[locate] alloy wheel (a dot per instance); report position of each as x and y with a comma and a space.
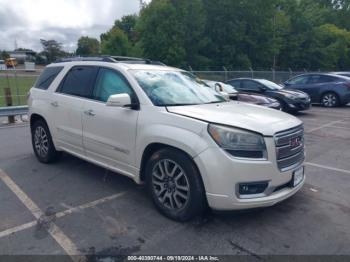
329, 100
170, 184
41, 141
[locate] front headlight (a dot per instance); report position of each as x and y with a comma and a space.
239, 143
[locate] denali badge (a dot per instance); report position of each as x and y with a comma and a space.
295, 142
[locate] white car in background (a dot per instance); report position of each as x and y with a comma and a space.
161, 126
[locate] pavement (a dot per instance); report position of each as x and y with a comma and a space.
76, 208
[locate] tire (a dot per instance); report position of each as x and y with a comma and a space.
43, 146
284, 106
330, 99
179, 196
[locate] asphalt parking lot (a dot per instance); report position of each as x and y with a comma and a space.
73, 207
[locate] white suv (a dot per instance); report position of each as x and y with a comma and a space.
163, 127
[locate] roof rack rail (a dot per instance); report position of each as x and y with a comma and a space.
111, 59
78, 58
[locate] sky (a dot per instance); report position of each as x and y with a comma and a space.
25, 22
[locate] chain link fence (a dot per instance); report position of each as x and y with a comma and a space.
222, 76
15, 84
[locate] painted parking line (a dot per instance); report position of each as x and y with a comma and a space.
56, 233
69, 211
30, 203
328, 168
323, 126
89, 205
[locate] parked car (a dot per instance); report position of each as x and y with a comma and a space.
347, 74
290, 100
163, 127
233, 94
330, 90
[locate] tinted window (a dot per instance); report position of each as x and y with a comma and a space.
317, 79
47, 76
251, 85
235, 83
79, 81
110, 83
298, 80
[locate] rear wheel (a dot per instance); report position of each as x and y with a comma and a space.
43, 146
175, 185
330, 100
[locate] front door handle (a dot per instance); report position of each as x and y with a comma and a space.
89, 113
54, 104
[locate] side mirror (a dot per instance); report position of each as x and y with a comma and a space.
218, 88
119, 100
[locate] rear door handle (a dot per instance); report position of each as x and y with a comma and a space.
89, 113
54, 104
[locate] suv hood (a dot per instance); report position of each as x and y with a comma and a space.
241, 115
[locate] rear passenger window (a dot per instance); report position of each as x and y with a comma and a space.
79, 81
47, 76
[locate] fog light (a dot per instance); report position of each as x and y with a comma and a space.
252, 188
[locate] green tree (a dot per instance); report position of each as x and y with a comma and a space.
52, 50
88, 46
172, 31
4, 55
115, 42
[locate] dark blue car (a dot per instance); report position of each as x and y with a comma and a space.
330, 90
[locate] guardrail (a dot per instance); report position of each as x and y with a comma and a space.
13, 110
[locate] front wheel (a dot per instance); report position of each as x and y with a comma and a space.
175, 185
330, 100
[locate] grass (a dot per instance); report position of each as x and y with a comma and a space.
19, 85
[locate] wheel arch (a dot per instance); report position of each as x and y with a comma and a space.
35, 117
154, 147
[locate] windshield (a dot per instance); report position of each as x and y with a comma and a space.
270, 85
175, 88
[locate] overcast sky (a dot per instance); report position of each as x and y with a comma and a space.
28, 21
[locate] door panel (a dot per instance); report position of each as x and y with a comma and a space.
109, 133
67, 105
66, 112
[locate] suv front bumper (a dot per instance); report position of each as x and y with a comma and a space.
222, 174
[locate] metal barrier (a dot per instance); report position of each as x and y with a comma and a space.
13, 111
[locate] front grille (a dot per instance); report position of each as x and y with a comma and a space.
290, 148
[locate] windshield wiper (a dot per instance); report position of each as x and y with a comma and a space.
178, 104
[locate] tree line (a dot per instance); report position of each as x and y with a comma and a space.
237, 35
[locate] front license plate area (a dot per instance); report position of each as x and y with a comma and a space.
298, 176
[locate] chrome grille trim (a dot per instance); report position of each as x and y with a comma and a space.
287, 156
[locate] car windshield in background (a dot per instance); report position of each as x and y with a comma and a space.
175, 88
270, 85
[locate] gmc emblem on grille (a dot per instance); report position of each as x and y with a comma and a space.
296, 142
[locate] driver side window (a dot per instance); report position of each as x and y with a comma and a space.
109, 83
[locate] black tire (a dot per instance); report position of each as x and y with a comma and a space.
330, 99
45, 141
284, 106
182, 209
